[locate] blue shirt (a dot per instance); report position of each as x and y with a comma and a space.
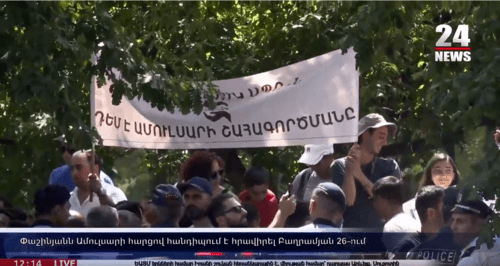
62, 176
362, 214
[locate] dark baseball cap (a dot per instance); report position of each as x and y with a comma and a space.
196, 182
475, 207
333, 192
164, 193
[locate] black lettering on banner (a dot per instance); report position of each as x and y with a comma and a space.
192, 136
301, 121
317, 121
159, 130
268, 126
282, 126
178, 134
170, 133
239, 131
347, 115
266, 88
251, 92
109, 120
218, 95
329, 119
102, 117
240, 97
260, 129
198, 130
276, 86
126, 124
228, 96
288, 123
296, 81
335, 116
119, 119
144, 125
211, 130
246, 127
140, 128
165, 129
224, 128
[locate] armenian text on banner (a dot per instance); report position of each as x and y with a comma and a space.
310, 102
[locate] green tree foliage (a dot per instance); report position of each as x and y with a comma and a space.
45, 71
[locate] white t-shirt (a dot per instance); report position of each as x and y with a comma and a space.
410, 209
400, 223
483, 256
114, 193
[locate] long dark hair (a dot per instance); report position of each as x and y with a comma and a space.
438, 157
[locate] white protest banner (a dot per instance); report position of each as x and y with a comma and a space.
311, 102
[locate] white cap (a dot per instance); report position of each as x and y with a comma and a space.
314, 153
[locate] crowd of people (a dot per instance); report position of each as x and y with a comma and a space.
361, 191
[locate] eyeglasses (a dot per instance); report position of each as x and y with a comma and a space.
215, 174
236, 209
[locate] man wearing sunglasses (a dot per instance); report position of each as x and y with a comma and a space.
225, 211
197, 193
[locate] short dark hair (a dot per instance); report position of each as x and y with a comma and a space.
389, 188
49, 197
216, 207
327, 203
102, 216
252, 212
255, 176
66, 148
88, 155
428, 197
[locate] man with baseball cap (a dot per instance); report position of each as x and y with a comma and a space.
197, 194
318, 158
327, 207
362, 167
467, 223
168, 204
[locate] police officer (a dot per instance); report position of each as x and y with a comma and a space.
467, 224
441, 248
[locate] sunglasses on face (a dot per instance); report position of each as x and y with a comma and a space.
215, 174
236, 209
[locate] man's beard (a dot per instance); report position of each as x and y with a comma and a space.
194, 213
242, 223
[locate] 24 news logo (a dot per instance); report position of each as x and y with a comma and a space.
444, 52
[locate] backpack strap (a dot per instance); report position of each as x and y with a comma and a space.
303, 181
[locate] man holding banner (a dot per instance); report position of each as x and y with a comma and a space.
357, 172
87, 181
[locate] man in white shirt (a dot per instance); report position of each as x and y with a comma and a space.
388, 203
87, 181
467, 223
